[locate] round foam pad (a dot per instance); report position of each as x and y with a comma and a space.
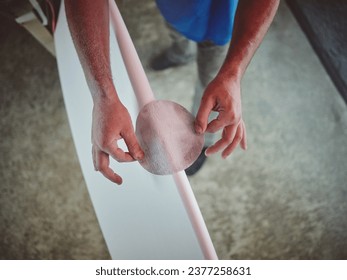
165, 131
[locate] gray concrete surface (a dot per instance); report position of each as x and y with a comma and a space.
285, 198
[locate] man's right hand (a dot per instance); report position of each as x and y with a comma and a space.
112, 122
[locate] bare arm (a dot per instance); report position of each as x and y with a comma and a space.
252, 20
223, 94
89, 26
88, 22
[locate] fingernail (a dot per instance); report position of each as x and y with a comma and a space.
120, 181
198, 129
140, 155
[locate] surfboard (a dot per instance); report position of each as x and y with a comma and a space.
148, 216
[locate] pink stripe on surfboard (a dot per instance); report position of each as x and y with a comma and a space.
144, 95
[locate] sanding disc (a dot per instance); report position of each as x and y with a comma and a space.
165, 131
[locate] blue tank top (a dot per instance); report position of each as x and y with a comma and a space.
201, 20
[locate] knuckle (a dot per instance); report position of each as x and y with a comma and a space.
103, 144
127, 133
228, 138
102, 169
233, 116
238, 138
133, 147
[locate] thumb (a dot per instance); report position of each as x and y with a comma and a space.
133, 146
204, 111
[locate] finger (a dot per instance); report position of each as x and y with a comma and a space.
204, 111
234, 143
220, 122
227, 137
220, 144
215, 125
102, 162
233, 131
133, 146
118, 154
243, 143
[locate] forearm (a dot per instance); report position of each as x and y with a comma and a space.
252, 20
88, 22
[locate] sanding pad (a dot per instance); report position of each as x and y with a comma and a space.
165, 131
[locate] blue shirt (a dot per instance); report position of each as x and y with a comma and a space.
201, 20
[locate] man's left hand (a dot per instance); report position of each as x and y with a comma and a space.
222, 96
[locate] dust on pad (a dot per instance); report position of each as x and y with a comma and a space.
165, 131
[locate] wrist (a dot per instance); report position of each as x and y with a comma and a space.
103, 90
230, 73
230, 79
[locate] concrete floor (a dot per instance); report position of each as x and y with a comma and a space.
285, 198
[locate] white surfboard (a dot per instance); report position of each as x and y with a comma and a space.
149, 216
